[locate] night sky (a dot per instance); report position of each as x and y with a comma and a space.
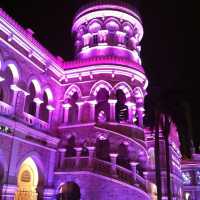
169, 63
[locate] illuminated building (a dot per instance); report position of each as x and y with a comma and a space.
81, 122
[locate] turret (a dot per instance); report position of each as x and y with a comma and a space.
108, 30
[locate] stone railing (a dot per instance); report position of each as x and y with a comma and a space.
34, 122
28, 119
104, 168
6, 109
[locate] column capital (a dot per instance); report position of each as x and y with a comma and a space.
79, 103
92, 102
113, 155
66, 105
91, 148
2, 79
133, 164
37, 100
131, 104
112, 101
62, 150
78, 149
50, 107
141, 108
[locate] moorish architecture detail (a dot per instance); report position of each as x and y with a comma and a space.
78, 125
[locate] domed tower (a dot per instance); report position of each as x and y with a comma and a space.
107, 29
103, 104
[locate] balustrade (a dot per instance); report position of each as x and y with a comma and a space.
109, 169
6, 109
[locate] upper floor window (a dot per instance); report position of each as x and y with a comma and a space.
102, 108
44, 112
95, 39
30, 105
73, 110
121, 110
6, 94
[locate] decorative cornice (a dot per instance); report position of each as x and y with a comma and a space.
25, 39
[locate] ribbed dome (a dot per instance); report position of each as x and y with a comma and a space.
129, 8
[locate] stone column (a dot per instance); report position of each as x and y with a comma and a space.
112, 103
131, 111
38, 101
140, 112
50, 108
113, 157
133, 168
145, 174
14, 97
80, 104
91, 150
62, 157
66, 112
121, 38
92, 110
78, 154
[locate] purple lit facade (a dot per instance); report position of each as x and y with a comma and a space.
81, 121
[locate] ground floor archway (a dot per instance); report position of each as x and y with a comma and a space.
27, 181
69, 190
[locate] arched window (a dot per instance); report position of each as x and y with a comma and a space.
30, 105
7, 93
69, 190
102, 108
121, 110
73, 110
44, 112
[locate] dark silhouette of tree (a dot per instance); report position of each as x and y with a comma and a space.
166, 107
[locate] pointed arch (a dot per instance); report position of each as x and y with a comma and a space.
71, 90
49, 93
29, 171
125, 88
35, 156
137, 92
36, 83
100, 85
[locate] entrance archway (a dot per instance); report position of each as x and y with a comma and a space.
27, 181
69, 191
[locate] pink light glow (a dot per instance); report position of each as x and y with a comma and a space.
108, 13
37, 85
1, 79
37, 100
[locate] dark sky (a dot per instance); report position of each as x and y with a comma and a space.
169, 27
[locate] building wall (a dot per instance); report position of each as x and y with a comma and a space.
101, 188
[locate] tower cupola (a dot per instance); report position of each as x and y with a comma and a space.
106, 29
